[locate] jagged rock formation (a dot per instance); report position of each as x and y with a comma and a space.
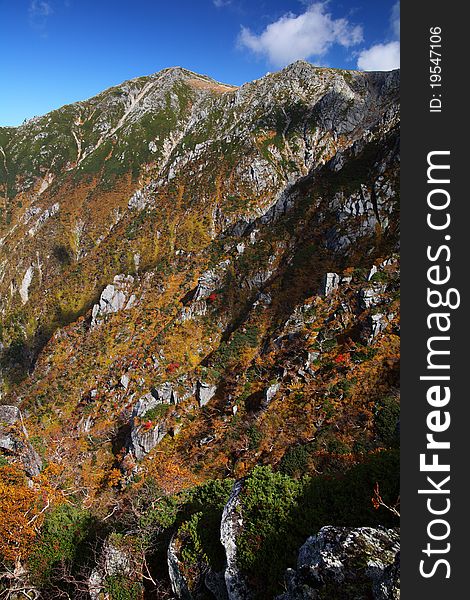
232, 522
215, 583
387, 586
178, 582
204, 392
340, 562
329, 283
113, 298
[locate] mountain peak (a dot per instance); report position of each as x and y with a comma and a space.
178, 73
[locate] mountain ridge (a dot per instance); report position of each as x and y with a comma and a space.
180, 68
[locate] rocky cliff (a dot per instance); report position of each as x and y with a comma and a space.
198, 281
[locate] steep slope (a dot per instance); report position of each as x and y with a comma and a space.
69, 177
197, 279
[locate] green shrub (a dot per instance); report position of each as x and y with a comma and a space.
120, 588
295, 461
157, 412
328, 345
363, 353
337, 446
155, 516
387, 413
204, 508
229, 352
62, 254
267, 503
190, 532
39, 445
195, 512
60, 541
380, 277
254, 436
327, 439
328, 408
343, 387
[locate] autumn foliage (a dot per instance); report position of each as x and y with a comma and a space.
21, 514
24, 504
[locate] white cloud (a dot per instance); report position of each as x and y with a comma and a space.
395, 19
39, 9
385, 56
294, 37
221, 3
381, 57
38, 13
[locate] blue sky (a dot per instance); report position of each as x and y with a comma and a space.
54, 52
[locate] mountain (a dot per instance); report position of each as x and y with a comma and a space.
199, 286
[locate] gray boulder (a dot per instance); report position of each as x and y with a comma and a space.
371, 296
195, 309
361, 560
206, 284
124, 381
210, 280
143, 441
377, 324
215, 583
115, 297
257, 279
204, 392
329, 284
269, 394
165, 394
387, 587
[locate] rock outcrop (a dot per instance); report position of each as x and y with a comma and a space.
209, 281
269, 394
232, 522
178, 582
162, 394
361, 560
387, 586
377, 323
215, 583
370, 296
204, 392
116, 560
147, 429
329, 284
337, 563
115, 297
